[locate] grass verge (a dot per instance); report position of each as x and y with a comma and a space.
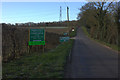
114, 47
46, 65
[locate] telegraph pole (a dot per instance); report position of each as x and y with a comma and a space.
68, 13
68, 18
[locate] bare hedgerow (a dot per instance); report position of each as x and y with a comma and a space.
15, 42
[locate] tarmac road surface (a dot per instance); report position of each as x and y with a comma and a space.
90, 59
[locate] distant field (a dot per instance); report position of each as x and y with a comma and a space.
58, 30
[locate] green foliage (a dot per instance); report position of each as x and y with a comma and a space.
101, 21
85, 30
46, 65
113, 46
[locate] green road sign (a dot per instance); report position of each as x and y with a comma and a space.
37, 37
63, 39
36, 42
65, 34
36, 34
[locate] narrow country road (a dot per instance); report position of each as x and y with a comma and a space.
90, 59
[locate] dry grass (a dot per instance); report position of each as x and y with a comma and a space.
49, 29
